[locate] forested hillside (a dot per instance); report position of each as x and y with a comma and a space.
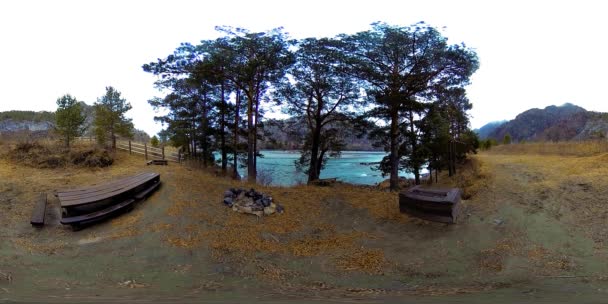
403, 85
487, 129
43, 122
554, 123
289, 134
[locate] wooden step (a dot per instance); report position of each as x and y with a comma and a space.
98, 215
39, 211
149, 190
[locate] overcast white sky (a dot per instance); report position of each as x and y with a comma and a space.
532, 53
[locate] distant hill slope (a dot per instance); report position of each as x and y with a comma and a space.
488, 128
288, 134
43, 122
554, 123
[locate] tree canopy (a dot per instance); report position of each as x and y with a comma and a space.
322, 93
402, 86
69, 118
404, 68
110, 119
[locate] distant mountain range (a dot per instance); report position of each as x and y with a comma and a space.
288, 134
43, 122
553, 123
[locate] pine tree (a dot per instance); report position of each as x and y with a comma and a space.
69, 118
110, 117
154, 141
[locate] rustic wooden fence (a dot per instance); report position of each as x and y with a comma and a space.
144, 149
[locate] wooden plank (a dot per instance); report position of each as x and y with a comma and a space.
97, 215
439, 205
157, 162
145, 193
99, 191
95, 187
100, 185
144, 145
106, 194
174, 157
171, 158
39, 211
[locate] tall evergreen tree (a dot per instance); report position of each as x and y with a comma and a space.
321, 93
110, 117
256, 60
69, 118
200, 110
401, 66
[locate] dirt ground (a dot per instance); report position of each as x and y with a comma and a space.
533, 229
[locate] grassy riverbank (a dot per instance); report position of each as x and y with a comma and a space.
533, 227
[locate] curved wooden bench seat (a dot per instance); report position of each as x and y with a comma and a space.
86, 205
157, 162
438, 205
102, 186
97, 215
39, 211
82, 197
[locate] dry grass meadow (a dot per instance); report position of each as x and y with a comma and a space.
533, 227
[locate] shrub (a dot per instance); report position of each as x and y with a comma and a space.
36, 155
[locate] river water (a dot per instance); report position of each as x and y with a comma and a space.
351, 167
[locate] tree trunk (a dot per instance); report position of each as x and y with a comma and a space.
449, 158
394, 157
320, 161
315, 166
436, 170
235, 172
113, 140
414, 144
255, 135
223, 131
251, 174
454, 157
204, 143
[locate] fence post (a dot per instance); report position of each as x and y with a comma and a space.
129, 147
163, 150
146, 150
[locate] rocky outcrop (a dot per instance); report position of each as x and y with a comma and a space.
10, 125
251, 202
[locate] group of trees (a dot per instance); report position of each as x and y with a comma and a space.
401, 86
109, 122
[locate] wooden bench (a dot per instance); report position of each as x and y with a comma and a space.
438, 205
87, 195
157, 162
83, 206
98, 215
39, 211
325, 181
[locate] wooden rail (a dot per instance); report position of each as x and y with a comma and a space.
143, 149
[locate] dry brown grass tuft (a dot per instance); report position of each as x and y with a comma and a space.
37, 154
493, 259
274, 273
332, 243
368, 261
304, 230
50, 247
473, 177
569, 148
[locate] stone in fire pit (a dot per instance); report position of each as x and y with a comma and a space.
251, 201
